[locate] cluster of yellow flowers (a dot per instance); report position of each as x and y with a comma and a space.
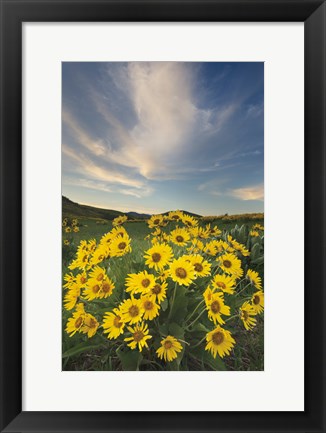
115, 243
119, 220
177, 257
256, 230
69, 227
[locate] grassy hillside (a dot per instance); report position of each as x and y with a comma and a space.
71, 209
75, 210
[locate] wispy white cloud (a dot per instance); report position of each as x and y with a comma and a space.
255, 110
160, 94
167, 123
86, 183
212, 121
232, 158
249, 193
96, 147
162, 98
250, 153
224, 115
144, 192
218, 188
83, 165
215, 187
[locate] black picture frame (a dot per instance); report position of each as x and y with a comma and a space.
13, 14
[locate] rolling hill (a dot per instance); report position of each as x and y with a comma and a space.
71, 209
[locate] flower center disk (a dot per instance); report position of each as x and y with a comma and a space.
138, 335
148, 305
215, 307
156, 257
156, 289
181, 272
116, 322
106, 287
256, 300
134, 311
218, 338
245, 315
145, 283
78, 322
168, 344
96, 288
92, 323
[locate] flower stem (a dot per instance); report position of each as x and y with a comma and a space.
183, 341
199, 343
237, 294
215, 271
172, 303
188, 318
239, 283
232, 317
200, 314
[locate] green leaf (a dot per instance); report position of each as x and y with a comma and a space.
164, 304
80, 348
130, 360
255, 252
179, 308
176, 330
205, 357
258, 261
243, 234
173, 365
216, 364
164, 329
199, 327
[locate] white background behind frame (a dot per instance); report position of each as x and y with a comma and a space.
281, 386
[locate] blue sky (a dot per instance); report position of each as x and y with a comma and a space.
157, 136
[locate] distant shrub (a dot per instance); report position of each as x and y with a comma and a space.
102, 222
226, 217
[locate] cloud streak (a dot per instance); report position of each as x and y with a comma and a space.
97, 177
96, 147
160, 95
249, 193
167, 124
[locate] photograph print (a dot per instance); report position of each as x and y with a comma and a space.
162, 216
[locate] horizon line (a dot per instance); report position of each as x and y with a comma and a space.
159, 213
